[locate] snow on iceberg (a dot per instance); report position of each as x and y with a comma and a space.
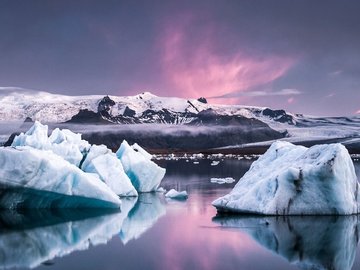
144, 174
295, 180
40, 170
64, 143
309, 242
174, 194
103, 162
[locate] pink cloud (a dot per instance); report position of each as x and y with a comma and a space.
193, 68
291, 100
358, 112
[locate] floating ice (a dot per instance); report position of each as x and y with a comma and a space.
41, 170
103, 162
295, 180
226, 180
144, 174
174, 194
161, 190
214, 163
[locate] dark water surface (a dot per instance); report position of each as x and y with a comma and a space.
152, 232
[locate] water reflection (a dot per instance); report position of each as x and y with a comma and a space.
29, 238
308, 242
145, 213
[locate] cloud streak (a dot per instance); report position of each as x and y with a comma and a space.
194, 67
282, 92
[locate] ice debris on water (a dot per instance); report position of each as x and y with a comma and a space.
174, 194
226, 180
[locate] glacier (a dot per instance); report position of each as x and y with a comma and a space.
103, 162
145, 175
295, 180
309, 242
41, 170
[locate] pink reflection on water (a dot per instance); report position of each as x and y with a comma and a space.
193, 240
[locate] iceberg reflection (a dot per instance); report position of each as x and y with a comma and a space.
31, 237
148, 209
311, 242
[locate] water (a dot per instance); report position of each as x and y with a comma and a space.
154, 233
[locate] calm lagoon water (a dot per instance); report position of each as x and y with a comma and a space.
152, 232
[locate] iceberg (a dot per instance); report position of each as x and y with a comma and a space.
144, 174
103, 162
325, 242
44, 173
295, 180
174, 194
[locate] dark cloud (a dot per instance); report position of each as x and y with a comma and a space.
234, 48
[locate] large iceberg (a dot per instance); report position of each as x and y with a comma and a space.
309, 242
63, 184
295, 180
103, 162
144, 174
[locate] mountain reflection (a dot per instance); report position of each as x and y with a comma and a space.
308, 242
29, 238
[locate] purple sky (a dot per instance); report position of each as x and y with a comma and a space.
303, 56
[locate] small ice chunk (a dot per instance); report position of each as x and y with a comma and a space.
214, 163
174, 194
161, 190
226, 180
144, 174
196, 162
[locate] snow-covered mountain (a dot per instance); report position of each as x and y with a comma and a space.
18, 104
240, 124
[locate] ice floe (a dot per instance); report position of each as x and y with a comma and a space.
178, 195
226, 180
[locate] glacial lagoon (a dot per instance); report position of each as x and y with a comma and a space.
152, 232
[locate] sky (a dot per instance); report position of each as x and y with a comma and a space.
302, 56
